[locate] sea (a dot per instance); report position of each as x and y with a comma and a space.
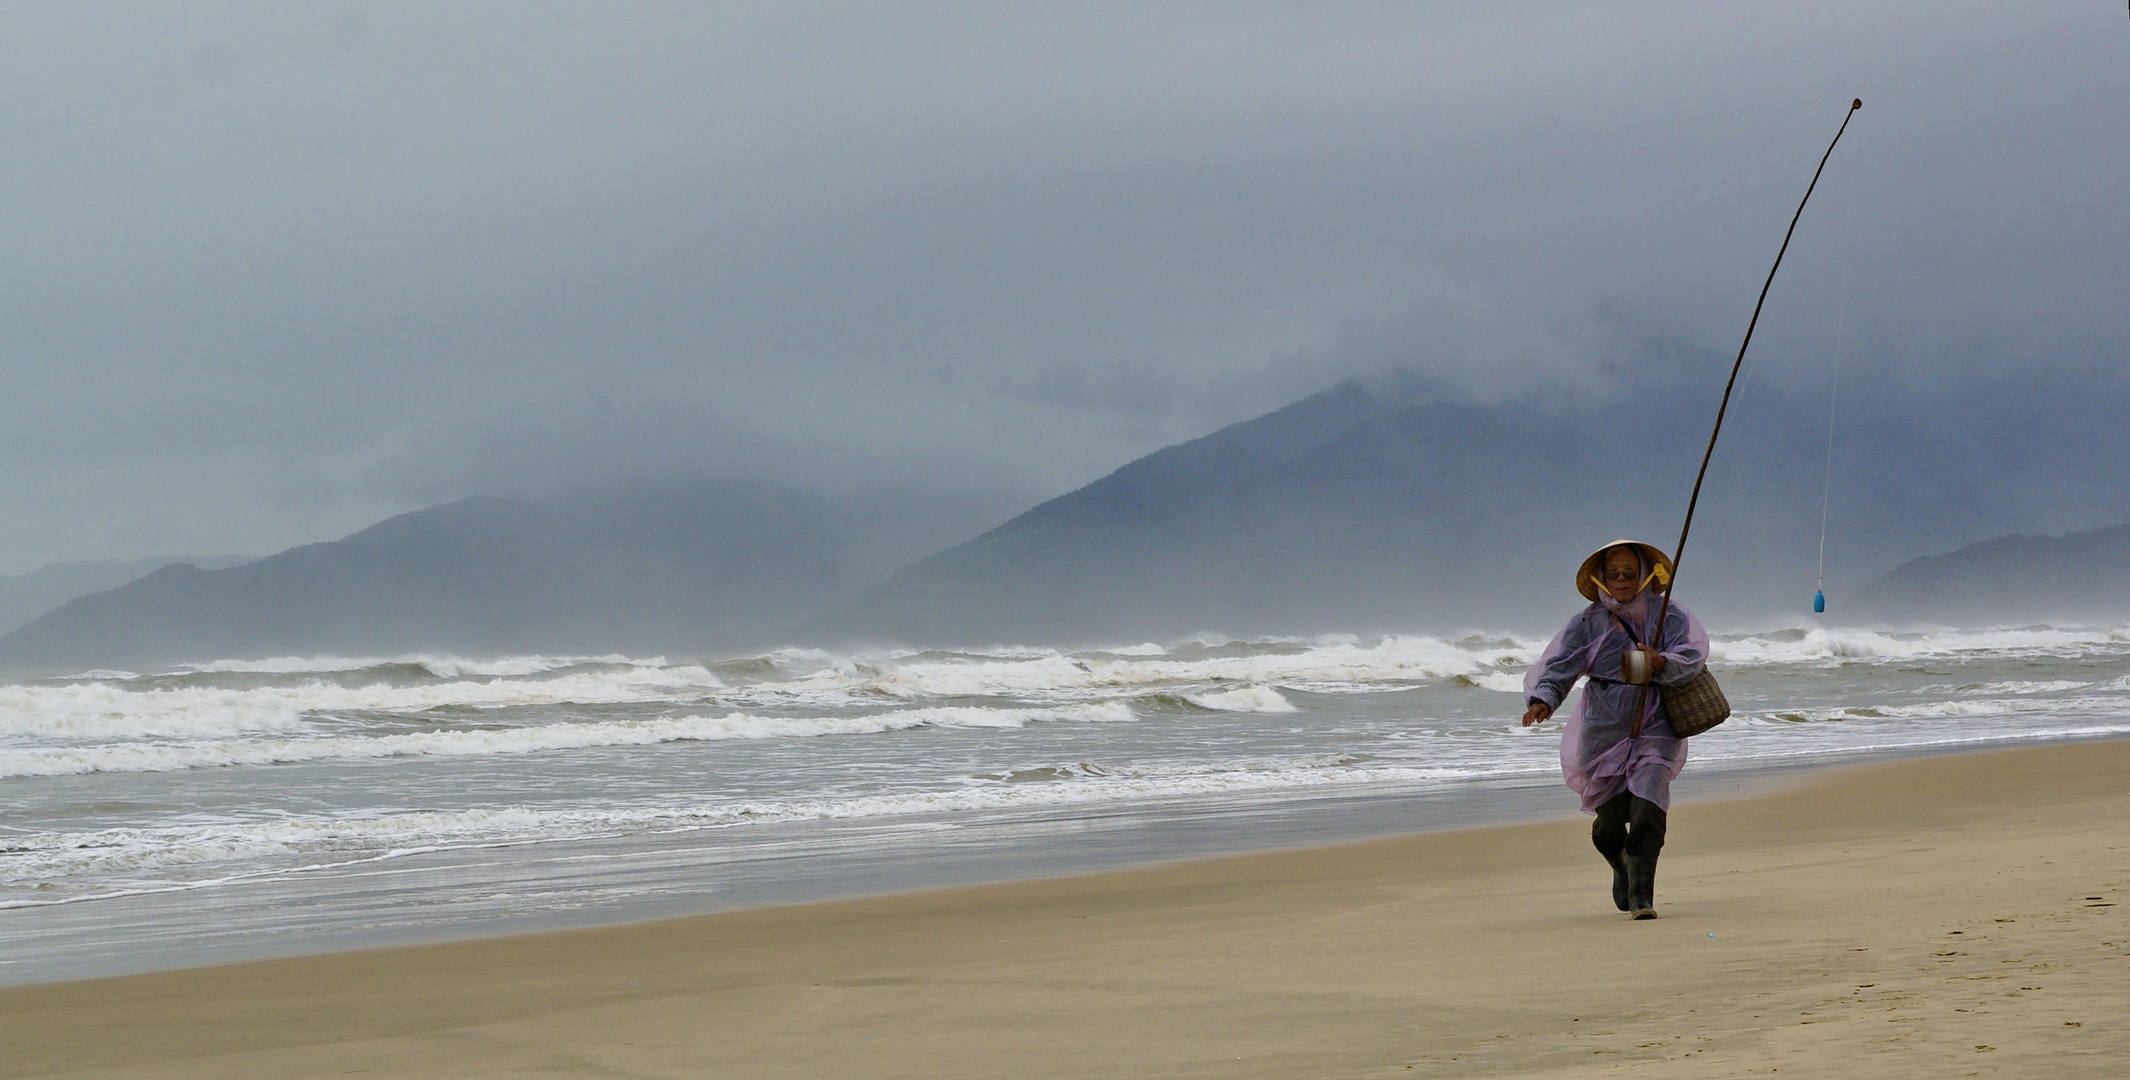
245, 809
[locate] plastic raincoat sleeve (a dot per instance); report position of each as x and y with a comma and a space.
1688, 651
1566, 659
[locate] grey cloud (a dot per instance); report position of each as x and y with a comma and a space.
1121, 385
273, 268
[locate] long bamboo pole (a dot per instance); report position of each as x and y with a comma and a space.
1656, 634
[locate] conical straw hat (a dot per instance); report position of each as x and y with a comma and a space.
1586, 574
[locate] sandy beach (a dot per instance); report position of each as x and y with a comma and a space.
1948, 916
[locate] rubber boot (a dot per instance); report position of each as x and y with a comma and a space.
1641, 886
1646, 826
1609, 835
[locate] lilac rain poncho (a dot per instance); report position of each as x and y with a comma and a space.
1598, 758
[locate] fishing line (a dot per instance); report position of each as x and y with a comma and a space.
1834, 386
1678, 552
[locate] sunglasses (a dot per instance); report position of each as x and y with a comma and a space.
1621, 575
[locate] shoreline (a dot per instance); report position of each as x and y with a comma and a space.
1927, 911
127, 935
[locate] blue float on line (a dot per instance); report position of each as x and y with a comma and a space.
1819, 601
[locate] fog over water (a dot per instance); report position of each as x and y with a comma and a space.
275, 272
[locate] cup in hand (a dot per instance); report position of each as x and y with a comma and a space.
1634, 666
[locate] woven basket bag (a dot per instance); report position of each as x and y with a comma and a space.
1695, 705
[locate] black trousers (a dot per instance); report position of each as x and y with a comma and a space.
1628, 824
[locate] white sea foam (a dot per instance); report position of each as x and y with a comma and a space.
2051, 686
1990, 707
596, 720
1822, 644
1953, 709
442, 666
132, 861
1507, 682
1344, 664
1333, 663
1254, 699
115, 710
178, 756
330, 842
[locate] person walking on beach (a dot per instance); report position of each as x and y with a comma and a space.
1617, 749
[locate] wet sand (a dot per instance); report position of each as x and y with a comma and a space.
1940, 917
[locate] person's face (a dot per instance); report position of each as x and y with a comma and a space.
1623, 574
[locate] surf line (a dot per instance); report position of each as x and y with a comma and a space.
1679, 550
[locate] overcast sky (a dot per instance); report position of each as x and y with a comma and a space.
274, 271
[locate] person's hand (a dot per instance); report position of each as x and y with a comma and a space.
1537, 713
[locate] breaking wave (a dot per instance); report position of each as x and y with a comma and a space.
1248, 699
804, 734
331, 842
177, 756
1824, 644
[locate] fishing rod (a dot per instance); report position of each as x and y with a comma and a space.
1664, 609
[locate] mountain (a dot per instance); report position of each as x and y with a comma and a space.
1355, 509
25, 596
1383, 506
1373, 506
2012, 579
672, 567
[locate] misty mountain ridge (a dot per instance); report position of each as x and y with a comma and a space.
2081, 575
659, 568
1378, 506
27, 595
1350, 510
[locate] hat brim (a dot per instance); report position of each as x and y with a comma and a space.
1586, 574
